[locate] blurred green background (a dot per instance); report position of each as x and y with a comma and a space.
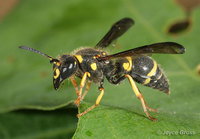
31, 108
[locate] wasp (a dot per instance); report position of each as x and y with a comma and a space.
92, 65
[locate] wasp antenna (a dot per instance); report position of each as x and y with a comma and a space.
36, 51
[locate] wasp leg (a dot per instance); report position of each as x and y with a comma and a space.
86, 90
93, 106
83, 80
75, 85
139, 95
150, 109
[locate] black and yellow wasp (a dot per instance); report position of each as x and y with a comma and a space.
93, 64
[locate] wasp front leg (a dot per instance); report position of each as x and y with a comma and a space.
82, 84
97, 100
86, 90
75, 85
96, 103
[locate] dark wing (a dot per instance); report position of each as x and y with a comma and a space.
118, 29
162, 48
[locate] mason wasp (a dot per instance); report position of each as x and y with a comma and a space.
93, 64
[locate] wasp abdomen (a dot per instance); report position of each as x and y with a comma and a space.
143, 70
146, 71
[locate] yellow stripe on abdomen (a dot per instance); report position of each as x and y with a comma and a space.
151, 73
153, 70
147, 81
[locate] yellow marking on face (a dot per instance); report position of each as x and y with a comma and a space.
126, 66
79, 57
93, 66
160, 76
153, 70
104, 53
75, 63
57, 74
57, 63
147, 81
130, 63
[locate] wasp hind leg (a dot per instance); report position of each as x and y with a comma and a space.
140, 96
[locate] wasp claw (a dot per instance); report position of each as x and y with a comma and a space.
77, 102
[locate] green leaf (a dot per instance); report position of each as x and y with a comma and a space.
60, 27
114, 122
28, 124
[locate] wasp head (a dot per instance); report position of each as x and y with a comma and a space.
63, 68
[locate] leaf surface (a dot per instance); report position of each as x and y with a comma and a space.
33, 124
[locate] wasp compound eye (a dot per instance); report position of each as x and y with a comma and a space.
68, 66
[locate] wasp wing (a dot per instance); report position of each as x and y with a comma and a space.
117, 29
162, 48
